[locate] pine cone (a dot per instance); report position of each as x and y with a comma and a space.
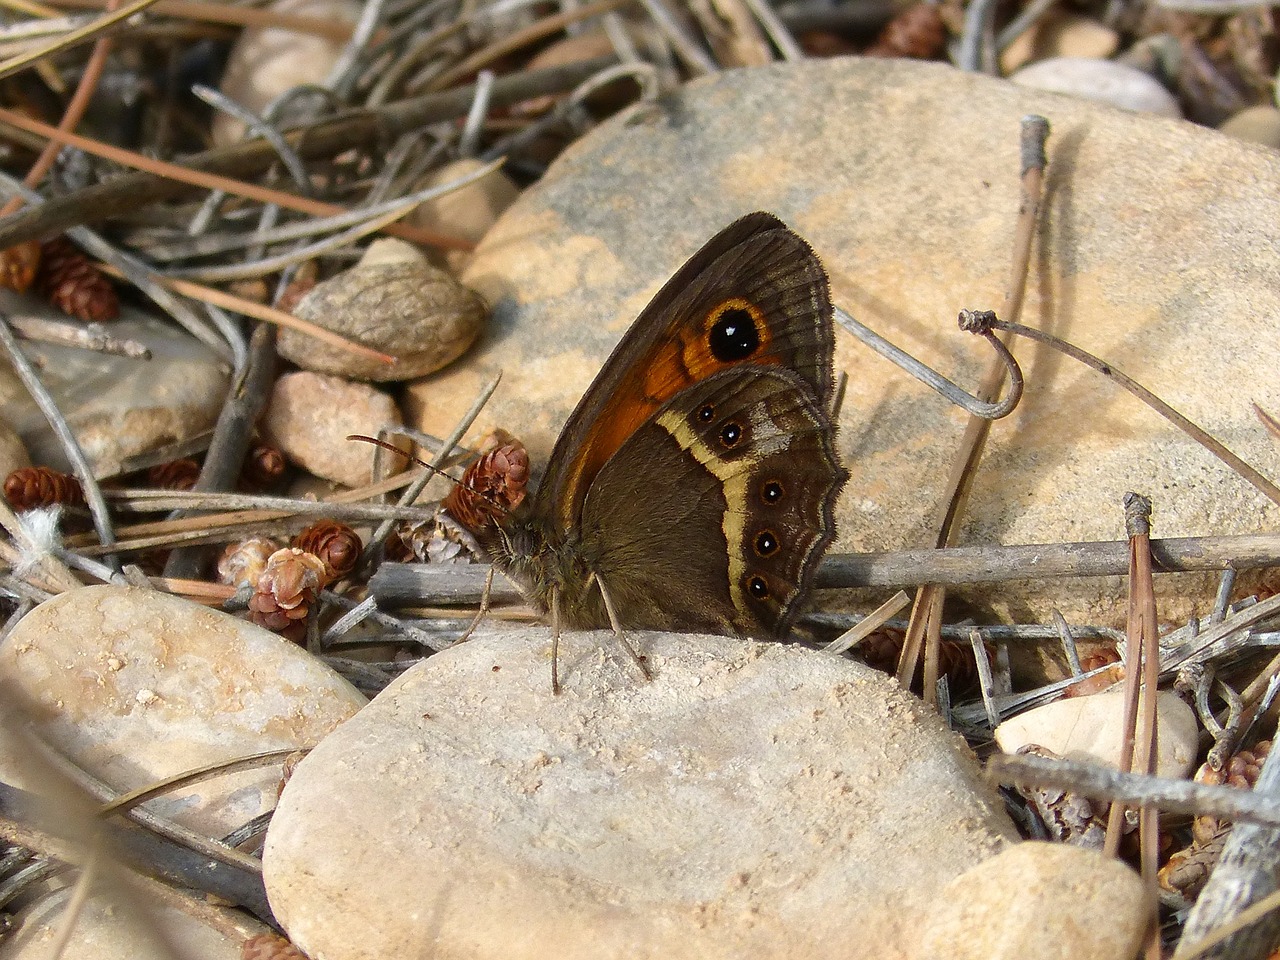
336, 544
241, 564
917, 33
174, 475
262, 468
285, 591
30, 487
1241, 771
1067, 816
270, 946
491, 487
19, 264
882, 648
74, 285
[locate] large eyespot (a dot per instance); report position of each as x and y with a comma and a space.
758, 589
766, 544
730, 434
733, 334
772, 492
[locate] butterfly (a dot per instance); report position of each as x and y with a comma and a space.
693, 487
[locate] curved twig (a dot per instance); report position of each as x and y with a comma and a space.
930, 377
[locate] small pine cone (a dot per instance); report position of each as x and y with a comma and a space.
1241, 771
18, 266
285, 591
917, 33
1068, 816
336, 544
270, 946
1101, 681
30, 487
241, 564
491, 487
174, 475
74, 285
882, 648
1186, 871
263, 467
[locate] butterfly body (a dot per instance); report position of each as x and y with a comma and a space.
693, 487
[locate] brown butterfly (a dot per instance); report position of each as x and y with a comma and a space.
692, 488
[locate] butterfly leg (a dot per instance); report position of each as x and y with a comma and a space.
555, 641
617, 628
486, 595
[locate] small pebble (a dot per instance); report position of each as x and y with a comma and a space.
1060, 34
265, 62
752, 800
1102, 80
1043, 900
1089, 728
394, 301
467, 213
135, 685
1260, 124
310, 415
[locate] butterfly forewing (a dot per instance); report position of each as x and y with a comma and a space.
754, 295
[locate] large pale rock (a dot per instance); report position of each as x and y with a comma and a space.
1105, 81
753, 800
135, 686
115, 927
1043, 900
904, 177
117, 407
1091, 728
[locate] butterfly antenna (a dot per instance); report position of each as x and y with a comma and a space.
436, 470
617, 626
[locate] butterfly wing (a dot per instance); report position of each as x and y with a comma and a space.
754, 295
713, 515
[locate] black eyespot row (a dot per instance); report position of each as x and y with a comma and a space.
772, 492
730, 434
758, 588
766, 543
706, 413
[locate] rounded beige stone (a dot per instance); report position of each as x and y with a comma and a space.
1042, 900
310, 415
267, 61
135, 686
1060, 33
1092, 728
904, 178
752, 800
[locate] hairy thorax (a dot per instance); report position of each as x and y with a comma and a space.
542, 564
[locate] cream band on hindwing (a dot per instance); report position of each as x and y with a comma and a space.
768, 438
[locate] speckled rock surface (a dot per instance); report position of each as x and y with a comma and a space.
116, 406
904, 177
310, 415
135, 686
753, 800
1043, 900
